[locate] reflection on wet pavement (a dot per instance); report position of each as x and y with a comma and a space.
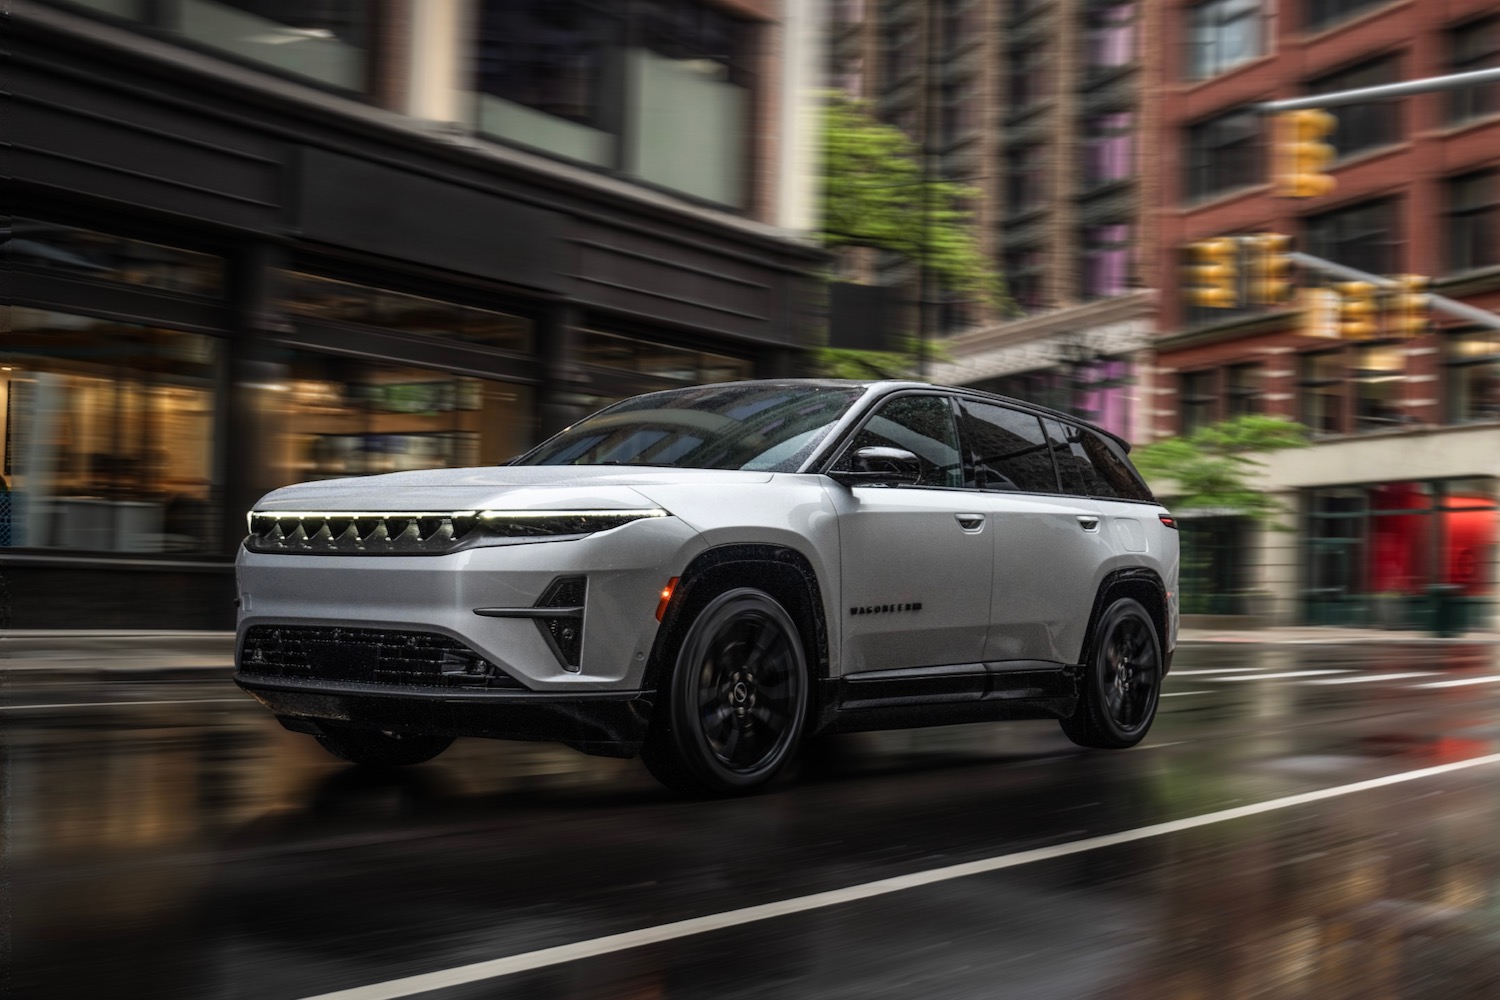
191, 847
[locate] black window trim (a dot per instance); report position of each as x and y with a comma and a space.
833, 451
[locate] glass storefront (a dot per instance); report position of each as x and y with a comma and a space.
108, 434
1385, 554
82, 253
344, 417
621, 366
326, 299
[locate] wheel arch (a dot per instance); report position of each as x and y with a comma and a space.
780, 571
1144, 585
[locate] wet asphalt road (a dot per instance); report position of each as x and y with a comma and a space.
186, 846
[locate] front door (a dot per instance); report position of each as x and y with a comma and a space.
916, 560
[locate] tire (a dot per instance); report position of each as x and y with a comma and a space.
374, 748
731, 711
1121, 683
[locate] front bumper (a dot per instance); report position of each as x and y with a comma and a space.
458, 594
610, 724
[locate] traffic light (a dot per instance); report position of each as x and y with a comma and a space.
1270, 269
1410, 305
1303, 154
1356, 309
1213, 276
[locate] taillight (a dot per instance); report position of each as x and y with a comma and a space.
1168, 520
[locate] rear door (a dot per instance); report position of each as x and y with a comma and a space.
916, 560
1045, 550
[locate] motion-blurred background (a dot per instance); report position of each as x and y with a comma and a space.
257, 242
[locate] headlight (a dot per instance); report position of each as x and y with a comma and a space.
422, 532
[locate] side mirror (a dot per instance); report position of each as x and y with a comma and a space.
877, 466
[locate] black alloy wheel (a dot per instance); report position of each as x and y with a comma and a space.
1122, 681
374, 748
736, 702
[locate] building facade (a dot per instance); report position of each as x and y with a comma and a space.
1394, 505
1041, 106
257, 243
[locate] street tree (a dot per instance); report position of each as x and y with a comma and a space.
1214, 468
876, 196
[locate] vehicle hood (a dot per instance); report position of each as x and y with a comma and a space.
522, 487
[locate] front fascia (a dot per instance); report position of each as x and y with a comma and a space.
626, 568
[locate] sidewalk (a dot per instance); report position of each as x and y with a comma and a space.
145, 652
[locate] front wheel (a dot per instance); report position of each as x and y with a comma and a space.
373, 748
735, 703
1121, 682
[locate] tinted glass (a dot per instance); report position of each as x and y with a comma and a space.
922, 425
1092, 465
1007, 449
758, 426
1112, 467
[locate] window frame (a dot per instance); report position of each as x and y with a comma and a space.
1468, 222
1230, 12
1218, 168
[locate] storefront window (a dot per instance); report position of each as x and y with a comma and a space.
645, 365
108, 436
1381, 554
83, 253
339, 416
344, 302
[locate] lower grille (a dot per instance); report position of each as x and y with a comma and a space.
368, 656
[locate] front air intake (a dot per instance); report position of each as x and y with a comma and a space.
384, 657
559, 617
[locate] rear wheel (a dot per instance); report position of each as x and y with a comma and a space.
374, 748
735, 703
1121, 682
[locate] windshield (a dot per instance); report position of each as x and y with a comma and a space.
757, 426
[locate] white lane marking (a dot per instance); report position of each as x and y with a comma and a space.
593, 947
1462, 682
116, 704
1279, 676
1179, 694
1216, 670
1372, 678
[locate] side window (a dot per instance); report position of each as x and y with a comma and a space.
1108, 459
1088, 461
1006, 449
922, 425
1070, 476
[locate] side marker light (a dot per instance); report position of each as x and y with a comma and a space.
666, 598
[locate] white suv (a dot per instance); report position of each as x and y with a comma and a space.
707, 576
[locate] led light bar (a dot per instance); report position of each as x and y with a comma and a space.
411, 532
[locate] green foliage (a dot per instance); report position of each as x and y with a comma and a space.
874, 196
844, 362
1214, 468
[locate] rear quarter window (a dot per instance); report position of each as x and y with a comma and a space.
1092, 465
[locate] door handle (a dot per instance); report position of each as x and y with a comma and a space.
1088, 522
972, 523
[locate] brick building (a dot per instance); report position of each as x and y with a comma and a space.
1039, 104
1398, 494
